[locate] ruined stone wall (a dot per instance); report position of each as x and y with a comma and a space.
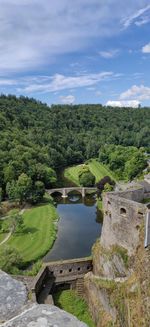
122, 219
69, 267
115, 288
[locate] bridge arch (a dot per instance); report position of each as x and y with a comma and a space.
73, 191
55, 192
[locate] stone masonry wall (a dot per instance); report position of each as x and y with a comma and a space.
122, 219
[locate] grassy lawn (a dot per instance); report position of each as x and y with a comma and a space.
2, 236
70, 302
71, 174
38, 234
99, 170
96, 168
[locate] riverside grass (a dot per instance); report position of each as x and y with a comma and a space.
39, 233
69, 301
97, 169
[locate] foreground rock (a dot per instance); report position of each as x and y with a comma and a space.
44, 316
17, 311
13, 296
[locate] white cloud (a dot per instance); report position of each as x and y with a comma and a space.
69, 99
59, 82
120, 104
146, 48
141, 93
7, 82
109, 54
138, 14
33, 33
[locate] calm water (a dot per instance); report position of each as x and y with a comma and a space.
79, 226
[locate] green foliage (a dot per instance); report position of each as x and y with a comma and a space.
13, 223
126, 162
38, 192
36, 139
86, 178
10, 259
35, 269
96, 168
108, 188
69, 301
24, 186
0, 195
38, 234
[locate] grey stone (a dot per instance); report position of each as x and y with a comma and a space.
44, 315
13, 296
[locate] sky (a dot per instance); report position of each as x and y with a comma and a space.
76, 51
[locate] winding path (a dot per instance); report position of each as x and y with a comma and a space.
6, 238
10, 233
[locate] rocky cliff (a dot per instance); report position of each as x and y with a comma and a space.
16, 310
118, 289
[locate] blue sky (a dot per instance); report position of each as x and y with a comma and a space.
83, 51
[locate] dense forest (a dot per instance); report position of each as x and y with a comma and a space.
36, 140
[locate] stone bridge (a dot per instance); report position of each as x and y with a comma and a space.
59, 274
66, 190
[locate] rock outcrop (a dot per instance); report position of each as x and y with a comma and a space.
44, 316
13, 296
17, 311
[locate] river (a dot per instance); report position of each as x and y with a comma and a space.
79, 226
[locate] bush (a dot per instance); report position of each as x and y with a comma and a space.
10, 260
86, 178
105, 181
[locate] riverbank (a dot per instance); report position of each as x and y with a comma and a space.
38, 234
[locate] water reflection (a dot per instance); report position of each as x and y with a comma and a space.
79, 226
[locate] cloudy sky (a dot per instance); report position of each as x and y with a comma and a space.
82, 51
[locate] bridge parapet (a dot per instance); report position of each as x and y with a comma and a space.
66, 190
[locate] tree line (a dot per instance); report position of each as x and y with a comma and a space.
37, 140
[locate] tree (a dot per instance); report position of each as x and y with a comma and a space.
38, 192
104, 181
11, 259
24, 187
86, 178
0, 195
17, 223
135, 166
9, 173
45, 174
11, 190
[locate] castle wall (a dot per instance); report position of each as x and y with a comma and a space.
122, 219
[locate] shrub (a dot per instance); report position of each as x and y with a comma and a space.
86, 178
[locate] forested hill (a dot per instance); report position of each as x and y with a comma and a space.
32, 133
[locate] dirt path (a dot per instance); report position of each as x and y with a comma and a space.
6, 238
9, 234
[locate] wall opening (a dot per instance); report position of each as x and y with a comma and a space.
140, 214
123, 211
